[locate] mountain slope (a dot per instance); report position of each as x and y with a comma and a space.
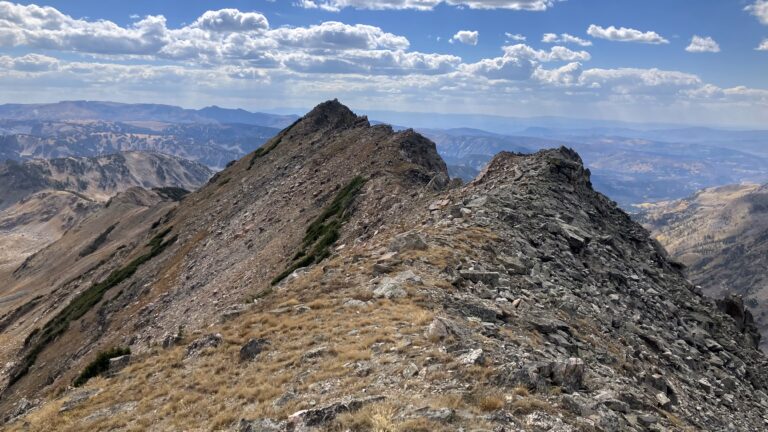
42, 199
241, 231
721, 235
523, 301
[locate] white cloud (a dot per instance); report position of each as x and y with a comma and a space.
565, 38
759, 9
425, 5
29, 63
515, 37
520, 61
624, 34
466, 37
701, 44
231, 20
763, 45
337, 35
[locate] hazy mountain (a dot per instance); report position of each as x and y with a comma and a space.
42, 199
120, 112
211, 144
335, 279
721, 235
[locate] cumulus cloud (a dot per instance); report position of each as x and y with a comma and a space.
624, 34
759, 9
466, 37
520, 61
565, 38
425, 5
29, 63
231, 20
763, 45
701, 44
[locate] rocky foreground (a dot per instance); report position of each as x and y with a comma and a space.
337, 280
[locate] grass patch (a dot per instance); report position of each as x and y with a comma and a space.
324, 230
172, 193
81, 304
99, 365
97, 242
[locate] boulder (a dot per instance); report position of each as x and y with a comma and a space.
207, 341
305, 420
407, 242
252, 348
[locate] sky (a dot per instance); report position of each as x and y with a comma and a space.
702, 62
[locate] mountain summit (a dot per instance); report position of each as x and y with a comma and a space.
335, 279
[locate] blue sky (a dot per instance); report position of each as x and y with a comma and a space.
619, 59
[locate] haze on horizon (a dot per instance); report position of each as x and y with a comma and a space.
652, 61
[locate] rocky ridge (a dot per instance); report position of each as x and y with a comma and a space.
521, 301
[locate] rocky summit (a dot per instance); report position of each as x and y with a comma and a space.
337, 279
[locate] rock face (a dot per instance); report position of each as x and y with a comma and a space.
528, 302
721, 235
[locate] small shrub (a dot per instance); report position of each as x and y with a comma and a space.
97, 242
99, 365
324, 230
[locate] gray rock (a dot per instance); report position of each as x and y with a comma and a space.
252, 348
207, 341
316, 417
473, 357
569, 374
408, 241
437, 330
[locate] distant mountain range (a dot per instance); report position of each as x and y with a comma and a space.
120, 112
212, 144
41, 199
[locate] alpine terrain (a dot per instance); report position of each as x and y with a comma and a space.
721, 235
41, 199
337, 279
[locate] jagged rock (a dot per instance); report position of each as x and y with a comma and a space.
311, 418
488, 278
473, 357
207, 341
569, 374
392, 287
437, 330
252, 348
733, 306
407, 242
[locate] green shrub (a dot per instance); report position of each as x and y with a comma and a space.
81, 304
99, 365
97, 242
323, 232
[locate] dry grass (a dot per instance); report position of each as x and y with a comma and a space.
491, 402
528, 405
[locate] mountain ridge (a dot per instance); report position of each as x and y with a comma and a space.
521, 300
